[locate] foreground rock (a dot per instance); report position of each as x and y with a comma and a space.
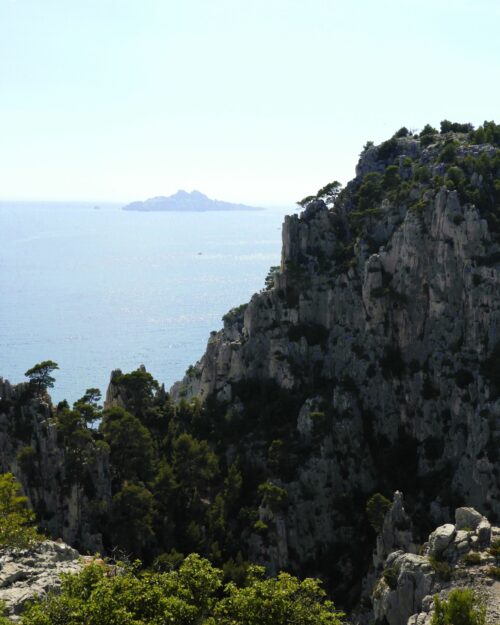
30, 573
462, 555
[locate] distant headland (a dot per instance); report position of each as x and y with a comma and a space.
187, 202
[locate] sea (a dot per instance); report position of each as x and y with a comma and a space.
96, 288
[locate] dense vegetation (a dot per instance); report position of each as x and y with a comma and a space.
191, 591
193, 594
175, 490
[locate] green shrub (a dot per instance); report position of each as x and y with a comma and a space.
441, 568
472, 558
422, 174
16, 519
273, 496
448, 153
447, 126
376, 509
370, 191
428, 131
192, 593
495, 548
493, 571
387, 149
260, 527
391, 177
402, 132
26, 457
462, 607
390, 576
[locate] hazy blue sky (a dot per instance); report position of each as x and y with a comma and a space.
260, 101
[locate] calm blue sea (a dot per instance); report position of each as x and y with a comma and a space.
97, 290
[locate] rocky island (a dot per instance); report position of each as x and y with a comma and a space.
369, 365
187, 202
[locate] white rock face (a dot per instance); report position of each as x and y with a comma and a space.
440, 539
26, 574
467, 518
392, 334
403, 593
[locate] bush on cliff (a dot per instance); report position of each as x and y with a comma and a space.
16, 519
462, 607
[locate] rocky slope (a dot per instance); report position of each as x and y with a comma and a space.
29, 573
460, 555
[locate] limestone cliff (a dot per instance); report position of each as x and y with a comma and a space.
382, 324
67, 482
369, 365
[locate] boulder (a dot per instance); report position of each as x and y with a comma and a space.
440, 539
29, 573
467, 518
484, 532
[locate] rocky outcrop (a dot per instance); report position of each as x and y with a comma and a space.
67, 482
385, 313
455, 556
30, 573
396, 533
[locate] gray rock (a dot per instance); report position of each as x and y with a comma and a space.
30, 573
410, 598
440, 539
396, 533
484, 532
467, 518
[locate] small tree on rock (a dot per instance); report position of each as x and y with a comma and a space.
40, 375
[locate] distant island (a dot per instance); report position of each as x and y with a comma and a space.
184, 201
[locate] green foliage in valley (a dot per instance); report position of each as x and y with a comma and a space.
192, 594
174, 488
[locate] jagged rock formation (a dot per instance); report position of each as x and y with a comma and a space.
48, 465
29, 573
455, 556
382, 325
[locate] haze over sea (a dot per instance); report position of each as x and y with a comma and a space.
97, 290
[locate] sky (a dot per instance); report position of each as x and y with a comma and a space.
262, 101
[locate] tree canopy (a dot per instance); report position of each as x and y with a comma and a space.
40, 375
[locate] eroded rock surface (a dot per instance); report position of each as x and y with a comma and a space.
453, 557
30, 573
